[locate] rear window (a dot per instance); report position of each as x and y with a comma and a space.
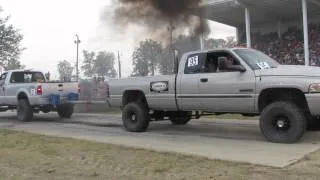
194, 64
26, 77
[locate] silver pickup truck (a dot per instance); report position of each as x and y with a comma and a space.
29, 92
237, 80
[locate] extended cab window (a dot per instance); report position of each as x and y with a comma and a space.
26, 77
194, 64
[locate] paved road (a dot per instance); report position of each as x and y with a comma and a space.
234, 140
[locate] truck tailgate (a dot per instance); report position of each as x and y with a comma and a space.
62, 89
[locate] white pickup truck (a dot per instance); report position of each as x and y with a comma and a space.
237, 80
29, 92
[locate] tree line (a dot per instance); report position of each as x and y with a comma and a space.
99, 64
10, 44
149, 58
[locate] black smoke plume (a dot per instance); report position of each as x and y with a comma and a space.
158, 16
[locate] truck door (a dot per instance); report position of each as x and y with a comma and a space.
188, 84
223, 89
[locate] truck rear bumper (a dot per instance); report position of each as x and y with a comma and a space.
313, 101
38, 101
53, 101
44, 101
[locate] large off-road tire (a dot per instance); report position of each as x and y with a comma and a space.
65, 110
24, 111
135, 117
180, 118
282, 122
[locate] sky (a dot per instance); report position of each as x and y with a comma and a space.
49, 28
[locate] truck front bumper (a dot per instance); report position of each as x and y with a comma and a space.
313, 100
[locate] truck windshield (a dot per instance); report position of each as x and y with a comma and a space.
256, 59
27, 77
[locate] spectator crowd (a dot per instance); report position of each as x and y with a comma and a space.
289, 49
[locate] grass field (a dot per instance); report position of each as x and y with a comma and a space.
33, 157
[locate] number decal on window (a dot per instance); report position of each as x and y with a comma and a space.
263, 65
193, 61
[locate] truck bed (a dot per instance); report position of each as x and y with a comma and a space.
157, 98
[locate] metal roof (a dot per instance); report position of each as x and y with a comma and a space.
232, 12
216, 49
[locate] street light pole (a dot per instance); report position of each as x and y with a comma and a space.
77, 41
119, 65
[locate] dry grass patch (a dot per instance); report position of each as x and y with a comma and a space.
28, 156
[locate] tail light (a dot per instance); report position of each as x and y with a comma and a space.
39, 90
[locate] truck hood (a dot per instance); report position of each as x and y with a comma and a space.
291, 70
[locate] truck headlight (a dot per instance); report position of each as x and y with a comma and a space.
314, 88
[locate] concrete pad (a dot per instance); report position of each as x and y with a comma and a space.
231, 140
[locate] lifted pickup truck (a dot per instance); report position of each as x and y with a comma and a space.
29, 92
237, 80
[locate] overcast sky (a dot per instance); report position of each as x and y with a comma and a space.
49, 28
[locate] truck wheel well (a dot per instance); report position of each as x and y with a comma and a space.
22, 96
296, 96
133, 96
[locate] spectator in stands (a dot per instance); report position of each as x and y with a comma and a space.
289, 49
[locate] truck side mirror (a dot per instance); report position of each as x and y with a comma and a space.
237, 68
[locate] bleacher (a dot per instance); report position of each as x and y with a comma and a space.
275, 27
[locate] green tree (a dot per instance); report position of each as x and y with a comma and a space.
13, 64
10, 44
65, 70
214, 43
104, 64
140, 64
231, 41
88, 63
210, 43
166, 65
186, 44
146, 58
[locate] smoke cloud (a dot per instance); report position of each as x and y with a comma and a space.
157, 16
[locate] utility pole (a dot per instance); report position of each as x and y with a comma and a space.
171, 38
119, 65
172, 49
77, 42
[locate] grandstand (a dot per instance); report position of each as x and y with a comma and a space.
287, 30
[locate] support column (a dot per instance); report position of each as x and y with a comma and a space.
305, 32
201, 41
248, 32
279, 29
237, 35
